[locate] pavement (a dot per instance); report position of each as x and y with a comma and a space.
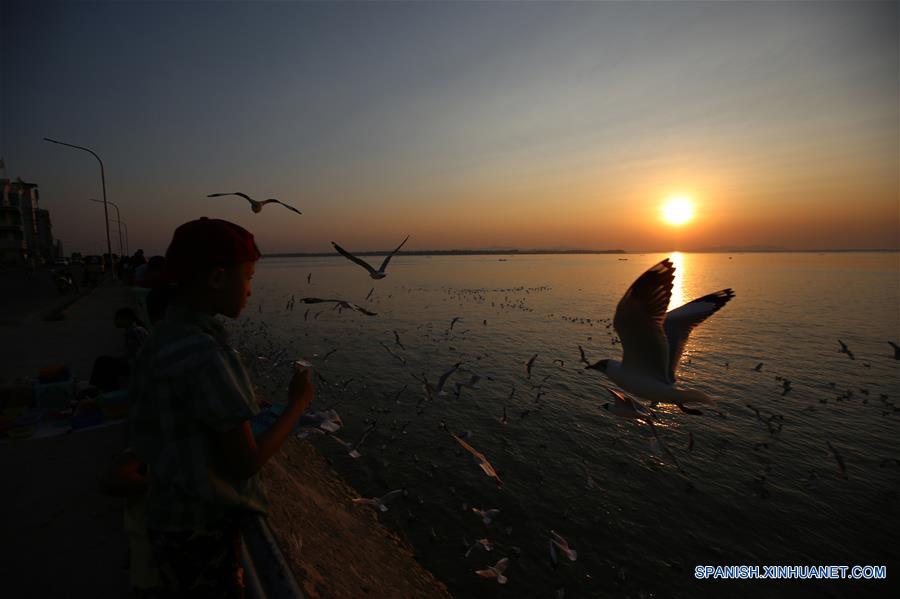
61, 537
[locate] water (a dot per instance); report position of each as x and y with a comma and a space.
745, 495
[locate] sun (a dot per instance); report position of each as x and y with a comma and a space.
678, 210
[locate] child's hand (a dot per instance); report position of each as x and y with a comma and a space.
300, 389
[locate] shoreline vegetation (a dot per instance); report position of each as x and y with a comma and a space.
518, 252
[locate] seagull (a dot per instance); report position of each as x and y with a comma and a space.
375, 274
453, 322
529, 363
845, 350
758, 367
308, 278
487, 516
441, 381
496, 570
397, 341
896, 350
380, 502
472, 383
390, 351
484, 543
255, 205
653, 340
557, 542
583, 357
353, 447
482, 461
342, 304
838, 459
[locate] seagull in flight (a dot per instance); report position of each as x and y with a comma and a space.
375, 274
528, 364
558, 542
845, 350
343, 304
482, 461
896, 350
653, 339
380, 502
495, 571
255, 205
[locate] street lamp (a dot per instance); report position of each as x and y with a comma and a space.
102, 183
118, 216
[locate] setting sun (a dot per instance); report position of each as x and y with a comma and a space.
678, 210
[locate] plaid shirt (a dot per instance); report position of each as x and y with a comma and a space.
189, 385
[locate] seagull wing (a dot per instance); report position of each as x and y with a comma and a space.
232, 193
470, 449
283, 204
391, 255
500, 566
681, 321
365, 435
630, 403
353, 258
445, 376
353, 306
639, 322
316, 300
391, 496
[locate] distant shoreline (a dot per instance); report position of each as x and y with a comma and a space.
570, 252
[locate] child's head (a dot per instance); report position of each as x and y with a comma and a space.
211, 262
125, 317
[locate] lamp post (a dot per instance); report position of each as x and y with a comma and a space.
118, 216
102, 183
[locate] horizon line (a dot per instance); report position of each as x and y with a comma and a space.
550, 251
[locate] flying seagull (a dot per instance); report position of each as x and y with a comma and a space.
558, 542
495, 571
845, 350
482, 461
352, 448
838, 459
255, 205
443, 380
528, 364
375, 274
343, 304
583, 357
487, 516
653, 340
484, 543
380, 502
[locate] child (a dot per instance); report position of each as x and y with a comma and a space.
192, 402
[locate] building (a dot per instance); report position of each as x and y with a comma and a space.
26, 233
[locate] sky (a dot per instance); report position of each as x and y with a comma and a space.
465, 125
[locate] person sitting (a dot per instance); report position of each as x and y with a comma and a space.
108, 371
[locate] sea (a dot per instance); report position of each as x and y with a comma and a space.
797, 463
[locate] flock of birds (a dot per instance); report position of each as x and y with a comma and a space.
652, 340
